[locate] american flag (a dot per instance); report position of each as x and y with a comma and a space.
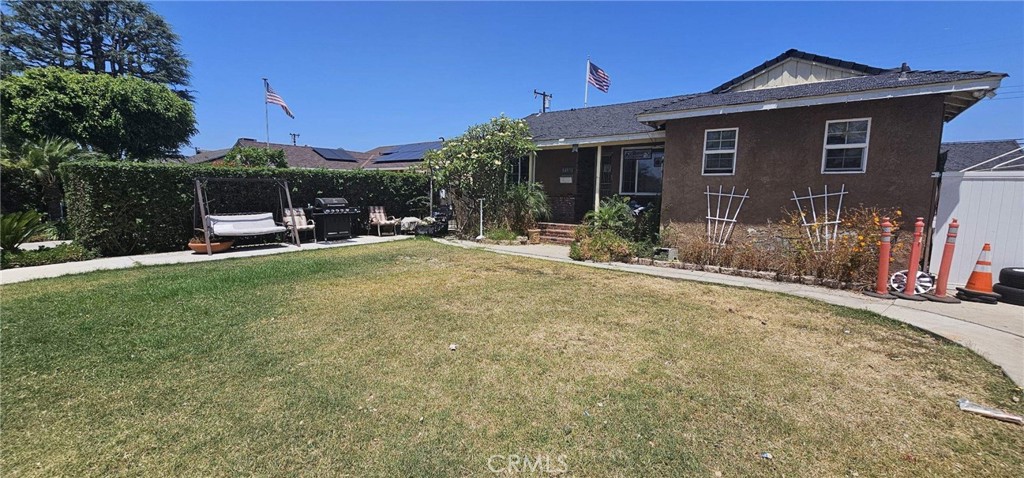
275, 99
597, 77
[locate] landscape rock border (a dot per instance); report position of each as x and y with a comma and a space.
768, 275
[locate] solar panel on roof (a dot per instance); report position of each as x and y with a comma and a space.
335, 154
408, 152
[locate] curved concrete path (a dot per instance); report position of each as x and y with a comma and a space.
995, 332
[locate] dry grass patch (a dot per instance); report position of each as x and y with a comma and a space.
337, 363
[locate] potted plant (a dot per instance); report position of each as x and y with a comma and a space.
198, 244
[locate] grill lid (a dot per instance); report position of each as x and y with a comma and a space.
331, 202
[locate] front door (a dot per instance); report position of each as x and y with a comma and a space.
585, 164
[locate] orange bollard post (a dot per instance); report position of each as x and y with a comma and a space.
915, 257
947, 260
884, 247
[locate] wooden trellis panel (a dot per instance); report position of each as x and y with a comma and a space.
821, 231
721, 223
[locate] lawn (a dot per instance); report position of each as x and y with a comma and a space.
337, 362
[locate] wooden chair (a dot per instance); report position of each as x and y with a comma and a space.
380, 219
301, 223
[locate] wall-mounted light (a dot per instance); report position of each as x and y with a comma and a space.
575, 148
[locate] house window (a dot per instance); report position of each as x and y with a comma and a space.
520, 172
846, 146
720, 151
642, 169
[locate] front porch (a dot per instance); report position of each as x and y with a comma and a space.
576, 177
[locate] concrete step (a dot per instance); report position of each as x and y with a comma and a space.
555, 226
555, 240
557, 233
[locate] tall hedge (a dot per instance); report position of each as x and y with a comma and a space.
124, 208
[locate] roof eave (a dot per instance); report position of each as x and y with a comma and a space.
594, 140
988, 83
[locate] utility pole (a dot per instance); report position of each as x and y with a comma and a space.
295, 137
546, 103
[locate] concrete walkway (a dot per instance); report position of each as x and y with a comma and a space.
20, 274
995, 332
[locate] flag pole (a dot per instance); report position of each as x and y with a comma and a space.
266, 111
586, 83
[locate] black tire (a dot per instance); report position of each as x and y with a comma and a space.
1012, 277
1011, 295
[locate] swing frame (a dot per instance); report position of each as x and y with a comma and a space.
281, 184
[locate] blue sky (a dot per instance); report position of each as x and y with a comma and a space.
359, 75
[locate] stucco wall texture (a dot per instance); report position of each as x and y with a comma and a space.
780, 151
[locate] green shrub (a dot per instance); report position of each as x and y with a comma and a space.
20, 190
45, 255
500, 235
119, 208
599, 246
18, 227
525, 204
249, 157
614, 215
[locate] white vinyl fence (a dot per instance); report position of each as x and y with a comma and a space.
989, 205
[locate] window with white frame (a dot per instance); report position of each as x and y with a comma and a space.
720, 151
642, 169
846, 146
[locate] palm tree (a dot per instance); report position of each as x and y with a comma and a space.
42, 158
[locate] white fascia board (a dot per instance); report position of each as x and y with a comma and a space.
932, 89
593, 140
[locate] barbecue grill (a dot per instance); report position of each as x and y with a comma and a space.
333, 217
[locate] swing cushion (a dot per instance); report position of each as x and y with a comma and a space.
244, 225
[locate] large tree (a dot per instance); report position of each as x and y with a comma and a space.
124, 117
478, 164
119, 38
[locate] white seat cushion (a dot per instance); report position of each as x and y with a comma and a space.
244, 225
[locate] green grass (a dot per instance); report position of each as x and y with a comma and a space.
336, 362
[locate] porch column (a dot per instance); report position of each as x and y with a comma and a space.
597, 179
533, 168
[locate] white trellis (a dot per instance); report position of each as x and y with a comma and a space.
821, 231
721, 224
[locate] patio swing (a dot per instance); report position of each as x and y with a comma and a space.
245, 224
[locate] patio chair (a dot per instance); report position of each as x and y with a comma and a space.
301, 223
380, 219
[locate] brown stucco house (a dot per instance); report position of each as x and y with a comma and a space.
795, 122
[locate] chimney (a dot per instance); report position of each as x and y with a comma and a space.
905, 67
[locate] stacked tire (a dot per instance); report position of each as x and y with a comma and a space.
1011, 285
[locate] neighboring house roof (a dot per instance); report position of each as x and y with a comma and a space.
296, 156
207, 156
983, 155
610, 120
401, 156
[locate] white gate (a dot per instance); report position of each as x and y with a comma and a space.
989, 205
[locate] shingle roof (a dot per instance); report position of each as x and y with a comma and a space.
964, 154
303, 156
891, 79
621, 119
606, 120
794, 53
207, 156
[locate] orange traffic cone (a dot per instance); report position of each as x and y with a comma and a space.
979, 285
